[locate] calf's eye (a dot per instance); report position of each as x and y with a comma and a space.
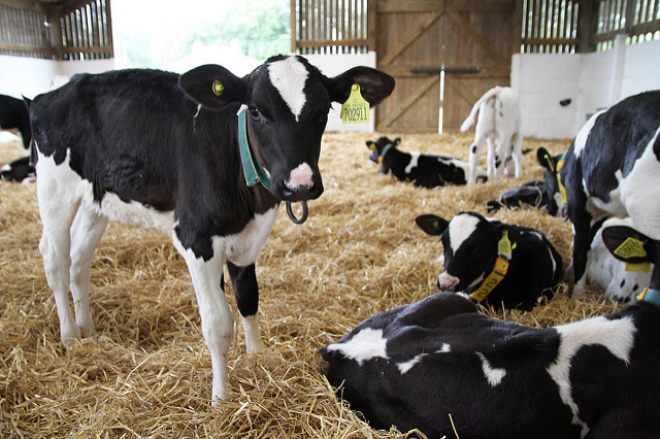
255, 113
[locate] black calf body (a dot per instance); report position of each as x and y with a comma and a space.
424, 170
437, 364
14, 114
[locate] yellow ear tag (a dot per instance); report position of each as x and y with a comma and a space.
217, 88
355, 109
504, 246
630, 248
372, 146
562, 188
643, 267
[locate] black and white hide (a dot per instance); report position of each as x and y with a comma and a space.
612, 168
206, 157
494, 262
424, 170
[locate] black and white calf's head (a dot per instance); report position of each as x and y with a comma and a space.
380, 148
492, 261
287, 103
553, 195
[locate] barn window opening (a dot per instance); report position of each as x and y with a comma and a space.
329, 26
570, 26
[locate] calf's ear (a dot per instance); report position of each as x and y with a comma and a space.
213, 86
628, 245
432, 224
375, 85
545, 159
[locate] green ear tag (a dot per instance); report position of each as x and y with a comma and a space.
217, 88
630, 248
355, 109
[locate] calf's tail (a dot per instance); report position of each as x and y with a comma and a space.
469, 121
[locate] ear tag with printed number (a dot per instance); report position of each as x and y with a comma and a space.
630, 248
355, 109
504, 246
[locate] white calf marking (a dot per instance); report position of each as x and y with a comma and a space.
640, 186
615, 335
407, 365
494, 375
367, 344
301, 176
244, 247
414, 159
289, 76
583, 134
460, 229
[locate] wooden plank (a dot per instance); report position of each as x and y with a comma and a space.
372, 25
293, 23
490, 50
396, 6
332, 43
411, 37
26, 47
461, 89
410, 101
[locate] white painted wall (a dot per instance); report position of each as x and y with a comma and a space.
592, 81
29, 77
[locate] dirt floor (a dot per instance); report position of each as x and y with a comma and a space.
147, 372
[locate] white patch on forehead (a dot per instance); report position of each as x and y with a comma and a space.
414, 159
617, 336
288, 76
494, 375
365, 345
460, 229
583, 134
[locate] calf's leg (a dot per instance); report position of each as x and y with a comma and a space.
87, 230
476, 150
58, 203
246, 290
217, 318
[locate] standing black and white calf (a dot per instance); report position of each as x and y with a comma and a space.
494, 262
163, 151
611, 168
424, 170
14, 114
439, 366
499, 126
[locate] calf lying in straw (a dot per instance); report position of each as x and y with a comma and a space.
441, 367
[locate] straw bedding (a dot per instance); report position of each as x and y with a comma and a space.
147, 372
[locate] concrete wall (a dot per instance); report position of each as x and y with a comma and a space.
29, 77
592, 81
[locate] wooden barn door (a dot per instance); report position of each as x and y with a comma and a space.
462, 36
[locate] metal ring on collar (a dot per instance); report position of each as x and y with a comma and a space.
302, 218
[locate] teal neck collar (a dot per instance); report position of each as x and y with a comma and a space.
252, 170
651, 296
386, 149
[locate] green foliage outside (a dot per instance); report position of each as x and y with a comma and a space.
261, 26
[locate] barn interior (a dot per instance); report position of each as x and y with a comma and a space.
147, 372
